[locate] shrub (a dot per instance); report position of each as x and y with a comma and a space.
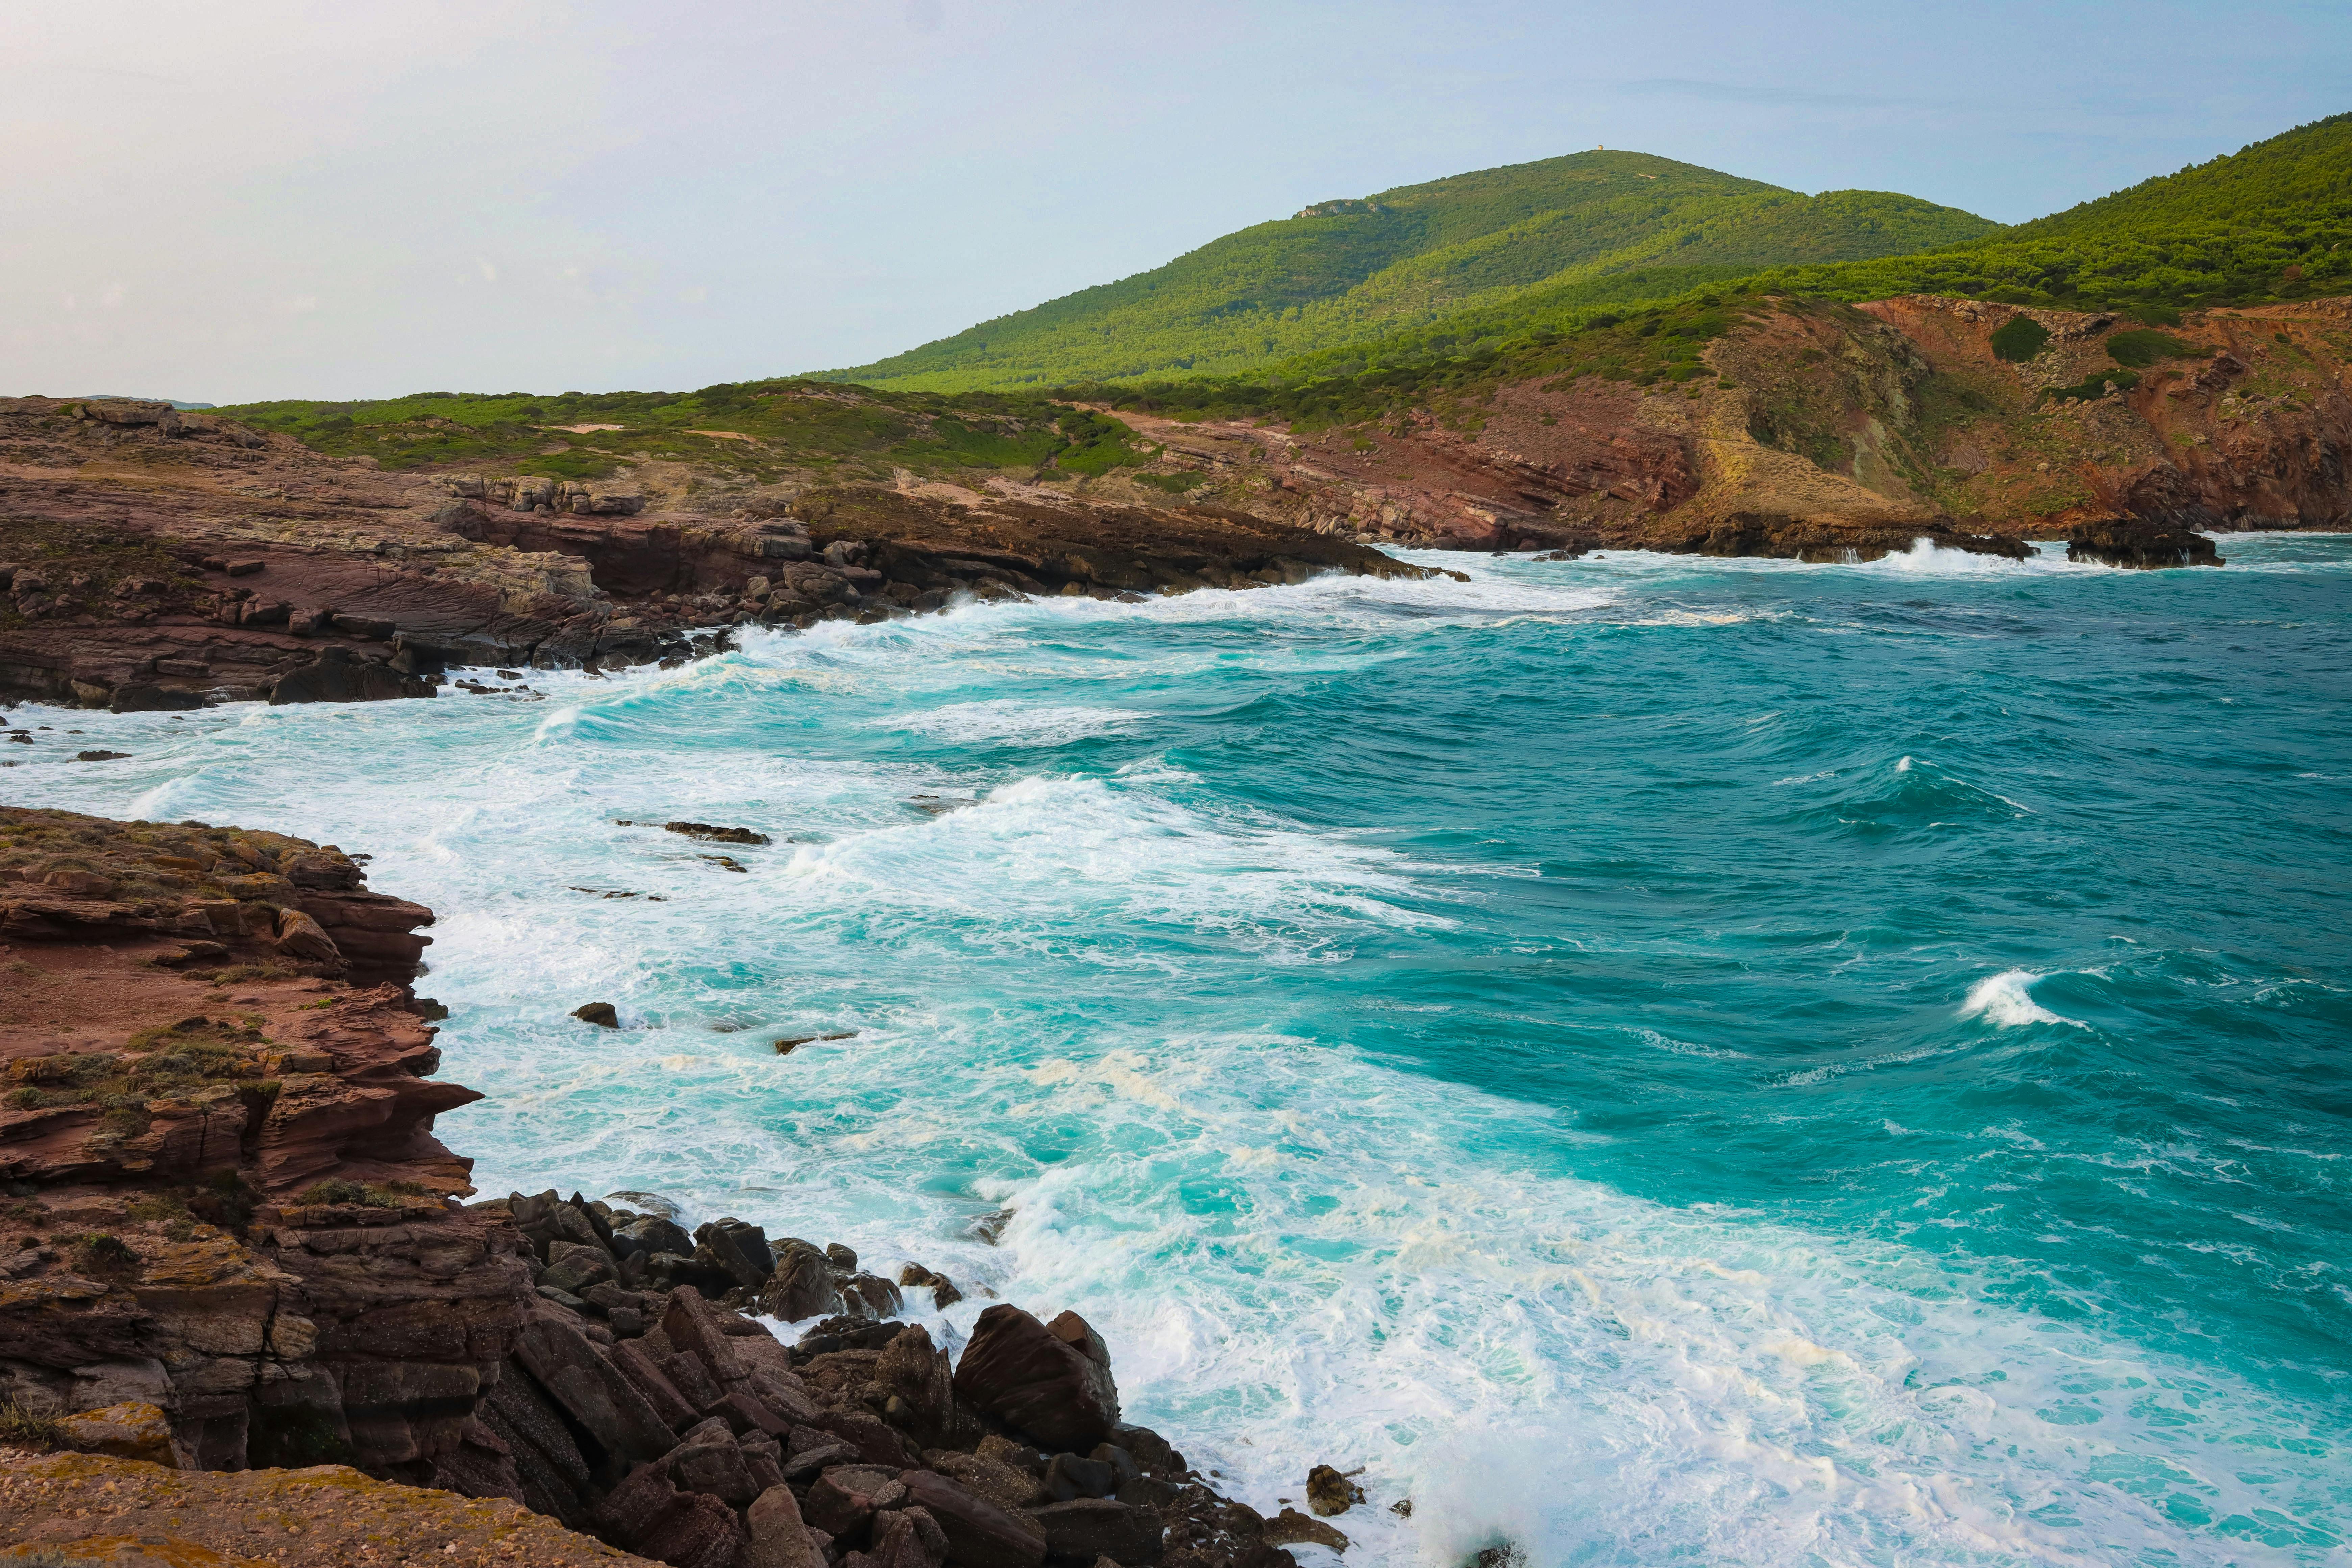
2020, 338
225, 1200
336, 1190
2144, 347
21, 1424
105, 1256
2093, 385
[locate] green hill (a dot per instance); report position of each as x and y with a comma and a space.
2271, 221
1588, 229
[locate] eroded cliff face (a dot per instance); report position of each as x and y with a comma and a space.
1827, 431
230, 1241
203, 1024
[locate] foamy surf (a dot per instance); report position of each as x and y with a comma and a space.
1411, 1022
2006, 1001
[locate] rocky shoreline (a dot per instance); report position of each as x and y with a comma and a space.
156, 561
233, 1244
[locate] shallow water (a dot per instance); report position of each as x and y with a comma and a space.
1669, 1060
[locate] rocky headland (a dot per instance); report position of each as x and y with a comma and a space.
230, 1243
155, 560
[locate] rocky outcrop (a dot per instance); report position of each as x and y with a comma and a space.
2138, 542
242, 1248
152, 560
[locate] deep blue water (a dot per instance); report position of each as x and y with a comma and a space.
1667, 1061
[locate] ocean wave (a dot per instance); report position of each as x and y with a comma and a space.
2006, 1001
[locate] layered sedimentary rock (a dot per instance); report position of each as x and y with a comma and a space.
233, 1242
152, 561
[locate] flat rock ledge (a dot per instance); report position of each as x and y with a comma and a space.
238, 1294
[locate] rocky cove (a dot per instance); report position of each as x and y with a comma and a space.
233, 1244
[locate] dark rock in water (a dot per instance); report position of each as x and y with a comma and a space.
336, 677
716, 833
1090, 1527
99, 756
792, 1043
801, 1286
1052, 1383
1329, 1492
601, 1013
151, 698
943, 1292
2137, 542
1292, 1527
651, 1234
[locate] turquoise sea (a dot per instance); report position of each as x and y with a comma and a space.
1664, 1060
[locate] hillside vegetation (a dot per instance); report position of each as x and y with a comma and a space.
1588, 229
2269, 223
764, 430
2272, 221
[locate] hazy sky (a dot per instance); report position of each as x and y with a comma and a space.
224, 200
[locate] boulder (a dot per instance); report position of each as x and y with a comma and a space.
1052, 1383
697, 1328
1292, 1527
979, 1534
1329, 1492
922, 1400
710, 1461
907, 1538
638, 1366
148, 698
801, 1286
1000, 1483
1069, 1478
562, 1361
299, 936
601, 1013
574, 1268
133, 1430
1079, 1532
2138, 543
651, 1234
336, 677
776, 1537
845, 1497
739, 1251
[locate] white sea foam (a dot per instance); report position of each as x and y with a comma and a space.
2006, 1000
1301, 1253
1006, 721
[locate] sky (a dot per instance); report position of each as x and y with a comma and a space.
224, 201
